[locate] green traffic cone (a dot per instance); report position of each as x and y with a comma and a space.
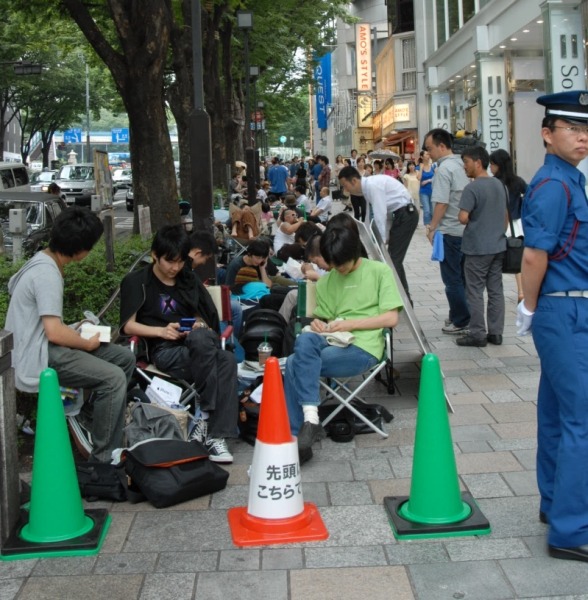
56, 510
434, 489
435, 507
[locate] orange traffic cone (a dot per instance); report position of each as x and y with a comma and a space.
277, 513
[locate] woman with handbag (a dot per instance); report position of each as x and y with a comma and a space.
501, 167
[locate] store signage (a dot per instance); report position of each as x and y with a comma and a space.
364, 110
363, 57
322, 78
401, 112
494, 105
567, 48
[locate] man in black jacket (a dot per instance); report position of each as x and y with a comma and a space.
153, 300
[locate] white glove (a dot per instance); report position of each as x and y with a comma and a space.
524, 319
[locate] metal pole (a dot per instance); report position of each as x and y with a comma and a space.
249, 160
88, 152
200, 146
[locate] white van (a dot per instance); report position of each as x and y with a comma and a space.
14, 176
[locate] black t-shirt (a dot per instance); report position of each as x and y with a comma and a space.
161, 306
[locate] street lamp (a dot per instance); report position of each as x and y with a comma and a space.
245, 22
291, 147
88, 147
260, 107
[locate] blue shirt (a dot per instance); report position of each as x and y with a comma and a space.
277, 176
549, 218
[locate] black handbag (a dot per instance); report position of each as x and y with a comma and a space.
167, 472
513, 257
101, 481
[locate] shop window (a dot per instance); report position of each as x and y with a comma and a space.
440, 10
453, 14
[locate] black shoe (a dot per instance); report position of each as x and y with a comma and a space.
304, 455
495, 338
309, 434
577, 553
470, 340
543, 518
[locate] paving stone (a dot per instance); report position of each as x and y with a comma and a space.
486, 485
512, 517
168, 586
488, 462
523, 484
327, 471
500, 396
281, 558
469, 447
467, 398
525, 380
516, 430
16, 568
486, 548
176, 531
545, 576
117, 532
187, 562
363, 556
515, 444
333, 452
355, 526
472, 580
243, 585
410, 552
232, 495
126, 562
514, 412
375, 583
456, 385
244, 559
402, 467
472, 433
201, 503
349, 492
397, 437
376, 468
86, 587
527, 458
237, 474
489, 382
391, 487
75, 565
490, 363
315, 492
9, 588
373, 453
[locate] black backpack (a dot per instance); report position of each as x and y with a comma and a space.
263, 324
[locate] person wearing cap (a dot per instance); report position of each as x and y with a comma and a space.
555, 310
395, 214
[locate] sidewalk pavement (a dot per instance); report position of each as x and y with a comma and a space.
185, 552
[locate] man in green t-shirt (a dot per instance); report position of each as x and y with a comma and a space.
358, 295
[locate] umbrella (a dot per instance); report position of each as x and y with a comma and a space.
240, 163
383, 155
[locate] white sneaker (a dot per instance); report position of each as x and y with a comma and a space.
200, 431
218, 451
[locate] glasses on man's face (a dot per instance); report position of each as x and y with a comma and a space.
576, 130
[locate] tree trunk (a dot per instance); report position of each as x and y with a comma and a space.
143, 30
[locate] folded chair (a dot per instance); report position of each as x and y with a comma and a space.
345, 390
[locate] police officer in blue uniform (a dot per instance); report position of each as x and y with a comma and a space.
555, 309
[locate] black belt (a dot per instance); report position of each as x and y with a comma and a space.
408, 207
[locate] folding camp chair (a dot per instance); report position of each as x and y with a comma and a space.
344, 390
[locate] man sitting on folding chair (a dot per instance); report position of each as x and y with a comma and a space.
358, 295
152, 303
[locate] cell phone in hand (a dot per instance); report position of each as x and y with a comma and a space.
186, 323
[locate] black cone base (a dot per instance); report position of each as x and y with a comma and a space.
16, 548
475, 524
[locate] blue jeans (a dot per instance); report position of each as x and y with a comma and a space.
453, 277
426, 207
313, 358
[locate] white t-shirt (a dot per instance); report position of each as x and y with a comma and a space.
325, 205
282, 238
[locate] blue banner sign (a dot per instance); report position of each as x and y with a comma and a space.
120, 136
322, 77
72, 136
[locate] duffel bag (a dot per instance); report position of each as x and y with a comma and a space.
168, 471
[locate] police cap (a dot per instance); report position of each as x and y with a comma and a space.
570, 106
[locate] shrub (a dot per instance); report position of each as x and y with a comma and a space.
87, 284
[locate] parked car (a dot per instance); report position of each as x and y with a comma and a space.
130, 199
76, 181
40, 181
14, 176
122, 179
41, 210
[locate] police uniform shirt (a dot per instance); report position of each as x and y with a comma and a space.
386, 195
548, 219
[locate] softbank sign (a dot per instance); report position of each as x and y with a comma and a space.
363, 57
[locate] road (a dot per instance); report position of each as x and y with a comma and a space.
123, 219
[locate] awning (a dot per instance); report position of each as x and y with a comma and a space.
396, 138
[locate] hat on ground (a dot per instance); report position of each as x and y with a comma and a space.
569, 106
